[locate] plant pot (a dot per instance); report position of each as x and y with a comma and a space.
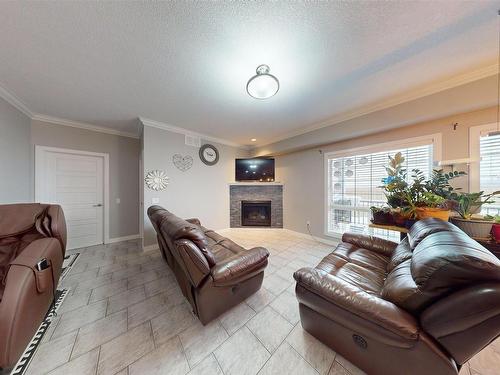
438, 213
382, 218
495, 231
475, 228
398, 218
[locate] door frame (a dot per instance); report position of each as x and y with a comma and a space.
40, 152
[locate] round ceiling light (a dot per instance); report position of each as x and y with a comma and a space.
262, 85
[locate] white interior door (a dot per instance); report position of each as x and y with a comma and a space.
76, 182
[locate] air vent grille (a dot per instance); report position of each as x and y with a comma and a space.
192, 140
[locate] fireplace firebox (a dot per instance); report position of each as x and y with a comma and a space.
256, 213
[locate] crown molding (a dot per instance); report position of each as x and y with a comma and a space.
431, 89
179, 130
82, 125
15, 101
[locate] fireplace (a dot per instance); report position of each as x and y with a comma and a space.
256, 213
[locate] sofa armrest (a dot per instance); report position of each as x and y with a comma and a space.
240, 266
194, 221
381, 313
377, 244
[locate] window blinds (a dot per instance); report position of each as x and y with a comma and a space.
354, 184
489, 171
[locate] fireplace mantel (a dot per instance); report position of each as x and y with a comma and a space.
250, 183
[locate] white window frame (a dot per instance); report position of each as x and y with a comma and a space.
434, 139
475, 134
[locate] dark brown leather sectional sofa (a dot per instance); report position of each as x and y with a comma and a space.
28, 233
213, 272
424, 306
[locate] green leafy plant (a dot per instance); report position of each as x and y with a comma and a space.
439, 183
495, 218
468, 203
432, 200
410, 209
376, 209
395, 183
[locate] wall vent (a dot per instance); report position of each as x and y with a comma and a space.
192, 140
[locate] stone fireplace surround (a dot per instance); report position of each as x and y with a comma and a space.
256, 191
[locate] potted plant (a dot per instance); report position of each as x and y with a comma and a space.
433, 206
382, 215
418, 197
399, 216
466, 205
395, 183
410, 209
495, 230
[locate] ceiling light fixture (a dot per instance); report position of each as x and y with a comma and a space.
262, 85
254, 139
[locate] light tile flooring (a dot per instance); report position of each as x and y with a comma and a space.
126, 315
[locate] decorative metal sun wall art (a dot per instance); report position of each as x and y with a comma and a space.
156, 180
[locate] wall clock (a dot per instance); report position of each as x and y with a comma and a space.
209, 154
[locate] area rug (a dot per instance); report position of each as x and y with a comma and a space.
23, 363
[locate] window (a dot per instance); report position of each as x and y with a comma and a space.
354, 183
485, 174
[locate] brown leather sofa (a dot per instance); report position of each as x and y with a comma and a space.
28, 234
424, 306
213, 272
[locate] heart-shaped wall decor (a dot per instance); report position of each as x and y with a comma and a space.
182, 163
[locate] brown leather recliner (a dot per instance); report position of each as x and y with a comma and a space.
424, 306
28, 234
213, 272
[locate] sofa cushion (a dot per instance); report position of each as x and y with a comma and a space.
362, 257
368, 279
423, 228
442, 263
221, 247
176, 228
449, 259
401, 253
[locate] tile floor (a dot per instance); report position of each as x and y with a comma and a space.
125, 315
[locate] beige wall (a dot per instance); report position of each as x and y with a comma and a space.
469, 97
123, 168
303, 174
16, 169
201, 191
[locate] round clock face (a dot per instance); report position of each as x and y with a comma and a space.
209, 154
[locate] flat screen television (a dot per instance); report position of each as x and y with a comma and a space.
256, 169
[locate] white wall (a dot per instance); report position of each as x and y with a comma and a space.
16, 167
201, 191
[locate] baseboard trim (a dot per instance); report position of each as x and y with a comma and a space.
124, 238
150, 248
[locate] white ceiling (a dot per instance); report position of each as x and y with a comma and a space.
187, 63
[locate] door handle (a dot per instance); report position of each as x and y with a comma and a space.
97, 205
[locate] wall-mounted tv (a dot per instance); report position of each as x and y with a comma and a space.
256, 169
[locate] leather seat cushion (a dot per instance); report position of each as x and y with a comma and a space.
220, 246
368, 279
362, 257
